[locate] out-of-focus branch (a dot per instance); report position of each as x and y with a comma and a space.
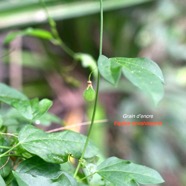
34, 15
75, 125
15, 68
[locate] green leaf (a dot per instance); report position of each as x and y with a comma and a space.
2, 182
125, 173
67, 180
44, 105
14, 120
24, 108
142, 72
17, 100
133, 183
67, 167
38, 167
8, 95
24, 179
110, 71
40, 33
43, 34
55, 147
29, 109
5, 166
87, 61
40, 107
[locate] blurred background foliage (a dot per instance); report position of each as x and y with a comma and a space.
150, 28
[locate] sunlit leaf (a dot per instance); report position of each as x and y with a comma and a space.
125, 173
142, 72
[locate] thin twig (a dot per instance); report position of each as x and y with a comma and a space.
5, 163
7, 152
8, 134
55, 33
75, 125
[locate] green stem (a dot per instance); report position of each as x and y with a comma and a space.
87, 176
4, 147
89, 77
57, 39
97, 91
5, 153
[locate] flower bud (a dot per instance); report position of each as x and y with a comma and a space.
89, 94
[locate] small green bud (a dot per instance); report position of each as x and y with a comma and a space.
89, 94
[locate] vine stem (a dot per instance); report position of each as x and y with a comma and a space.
5, 153
4, 147
5, 163
97, 91
57, 40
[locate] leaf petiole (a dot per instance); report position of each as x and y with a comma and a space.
12, 148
